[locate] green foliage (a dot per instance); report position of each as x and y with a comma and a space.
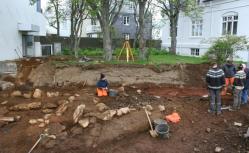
91, 52
225, 47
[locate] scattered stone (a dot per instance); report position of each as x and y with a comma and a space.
161, 108
92, 120
4, 102
16, 93
4, 85
78, 112
49, 105
157, 97
18, 117
76, 95
7, 119
47, 111
40, 120
55, 128
84, 122
41, 125
125, 110
237, 124
218, 149
53, 94
37, 94
27, 95
205, 141
25, 106
71, 98
96, 100
33, 121
184, 139
46, 122
62, 108
121, 89
197, 150
139, 91
101, 107
108, 115
149, 107
208, 130
46, 117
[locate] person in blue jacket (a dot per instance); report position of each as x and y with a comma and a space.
102, 86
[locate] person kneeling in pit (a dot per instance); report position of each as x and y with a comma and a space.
102, 86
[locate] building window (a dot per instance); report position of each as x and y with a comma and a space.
195, 51
90, 35
93, 22
126, 36
126, 20
197, 28
230, 25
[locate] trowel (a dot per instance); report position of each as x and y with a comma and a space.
152, 132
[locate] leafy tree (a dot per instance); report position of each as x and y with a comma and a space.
225, 47
55, 13
78, 13
171, 9
106, 12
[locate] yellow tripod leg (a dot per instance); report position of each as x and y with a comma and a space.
121, 51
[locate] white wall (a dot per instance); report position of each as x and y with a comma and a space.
13, 12
212, 26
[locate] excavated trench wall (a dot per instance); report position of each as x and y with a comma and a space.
47, 74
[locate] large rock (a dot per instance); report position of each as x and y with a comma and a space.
108, 115
84, 122
26, 106
16, 93
4, 85
37, 94
78, 112
101, 107
61, 109
27, 95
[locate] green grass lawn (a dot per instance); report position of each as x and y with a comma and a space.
174, 59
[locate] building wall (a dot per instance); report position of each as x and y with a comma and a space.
212, 27
13, 12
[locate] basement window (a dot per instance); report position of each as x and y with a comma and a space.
195, 51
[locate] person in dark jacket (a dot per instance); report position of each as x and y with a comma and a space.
239, 82
244, 96
215, 81
229, 70
102, 86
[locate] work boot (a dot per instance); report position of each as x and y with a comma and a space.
211, 112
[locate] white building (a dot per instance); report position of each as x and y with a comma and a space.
20, 28
220, 17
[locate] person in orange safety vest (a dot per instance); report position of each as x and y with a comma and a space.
102, 86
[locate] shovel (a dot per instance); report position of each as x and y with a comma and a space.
152, 132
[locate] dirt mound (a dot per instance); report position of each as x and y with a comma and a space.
48, 74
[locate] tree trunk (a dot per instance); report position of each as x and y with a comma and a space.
142, 41
173, 33
107, 43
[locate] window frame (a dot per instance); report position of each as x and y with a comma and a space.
229, 21
197, 28
126, 20
195, 51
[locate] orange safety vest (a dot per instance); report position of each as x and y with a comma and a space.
101, 92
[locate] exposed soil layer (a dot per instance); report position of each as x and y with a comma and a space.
179, 88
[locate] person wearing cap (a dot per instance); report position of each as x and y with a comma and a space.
239, 82
215, 80
229, 70
102, 86
244, 96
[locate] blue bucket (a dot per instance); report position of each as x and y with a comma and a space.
162, 130
113, 93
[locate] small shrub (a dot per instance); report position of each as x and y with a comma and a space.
225, 47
